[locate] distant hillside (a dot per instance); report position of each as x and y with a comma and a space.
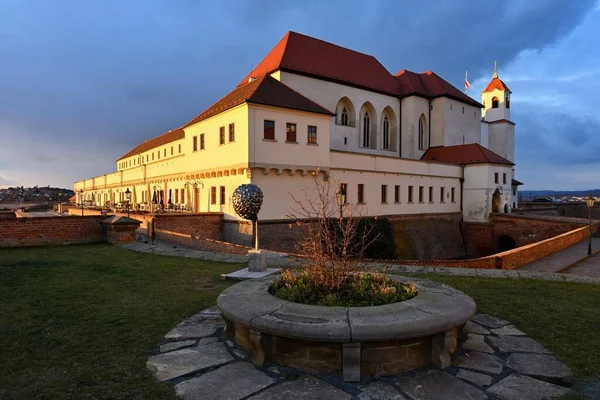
573, 193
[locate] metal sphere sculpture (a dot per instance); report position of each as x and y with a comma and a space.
247, 200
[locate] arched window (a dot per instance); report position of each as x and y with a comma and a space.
507, 100
386, 133
495, 102
344, 119
422, 133
366, 130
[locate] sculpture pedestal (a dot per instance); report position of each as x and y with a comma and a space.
257, 261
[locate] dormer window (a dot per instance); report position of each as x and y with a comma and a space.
507, 100
344, 119
495, 102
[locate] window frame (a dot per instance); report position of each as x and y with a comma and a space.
496, 178
383, 194
421, 195
360, 193
202, 142
271, 129
385, 137
221, 135
194, 144
232, 132
430, 194
396, 194
366, 134
309, 135
410, 194
213, 195
291, 132
222, 195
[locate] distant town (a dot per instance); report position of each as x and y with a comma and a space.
36, 194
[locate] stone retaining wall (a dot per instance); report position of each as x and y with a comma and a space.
200, 243
514, 258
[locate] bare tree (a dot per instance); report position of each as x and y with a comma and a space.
332, 236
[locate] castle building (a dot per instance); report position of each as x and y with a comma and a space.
409, 143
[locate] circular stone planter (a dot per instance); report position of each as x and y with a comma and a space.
376, 341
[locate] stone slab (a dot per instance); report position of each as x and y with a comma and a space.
176, 363
520, 344
477, 343
479, 362
207, 340
520, 387
192, 331
509, 330
229, 382
245, 273
306, 388
379, 391
489, 321
472, 327
176, 345
437, 385
474, 377
542, 366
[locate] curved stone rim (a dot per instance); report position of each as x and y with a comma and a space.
437, 308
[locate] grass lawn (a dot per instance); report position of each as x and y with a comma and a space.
79, 322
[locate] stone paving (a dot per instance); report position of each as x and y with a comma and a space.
566, 258
497, 361
282, 260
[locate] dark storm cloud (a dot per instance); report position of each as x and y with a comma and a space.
558, 138
103, 76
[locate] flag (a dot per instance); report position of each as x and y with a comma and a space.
467, 84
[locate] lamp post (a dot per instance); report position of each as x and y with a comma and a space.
590, 204
340, 197
81, 200
128, 199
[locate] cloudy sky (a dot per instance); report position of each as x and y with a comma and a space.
82, 82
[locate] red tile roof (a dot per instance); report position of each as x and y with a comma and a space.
265, 90
430, 85
496, 83
313, 57
163, 139
316, 58
463, 154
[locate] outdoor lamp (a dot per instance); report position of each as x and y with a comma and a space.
81, 200
128, 195
590, 204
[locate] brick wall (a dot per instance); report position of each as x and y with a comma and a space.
526, 230
514, 258
50, 231
427, 236
201, 243
479, 238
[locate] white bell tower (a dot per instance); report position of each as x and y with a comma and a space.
496, 100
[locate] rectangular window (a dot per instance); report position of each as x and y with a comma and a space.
514, 190
232, 132
158, 154
344, 190
195, 143
504, 178
152, 156
442, 194
495, 177
202, 141
222, 135
171, 150
431, 194
222, 195
165, 152
410, 194
384, 193
397, 194
361, 193
269, 133
179, 149
312, 135
176, 196
290, 132
213, 195
452, 192
420, 194
182, 196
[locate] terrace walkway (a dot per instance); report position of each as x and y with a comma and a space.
568, 260
282, 260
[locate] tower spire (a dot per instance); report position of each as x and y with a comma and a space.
495, 69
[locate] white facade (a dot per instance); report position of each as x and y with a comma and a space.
373, 144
